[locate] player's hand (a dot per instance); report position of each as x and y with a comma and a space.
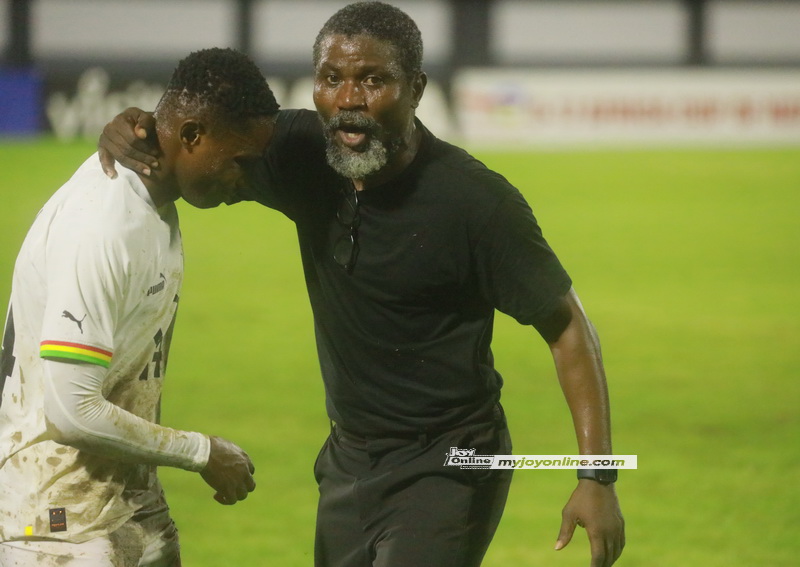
129, 139
229, 471
595, 507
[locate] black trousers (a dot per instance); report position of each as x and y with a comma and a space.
389, 502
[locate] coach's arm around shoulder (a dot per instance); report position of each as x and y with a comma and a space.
575, 348
130, 139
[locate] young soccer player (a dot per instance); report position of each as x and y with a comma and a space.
87, 336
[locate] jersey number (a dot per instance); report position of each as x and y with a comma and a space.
160, 355
7, 359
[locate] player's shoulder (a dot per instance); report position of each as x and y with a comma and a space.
91, 206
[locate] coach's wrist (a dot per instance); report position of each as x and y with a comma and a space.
602, 476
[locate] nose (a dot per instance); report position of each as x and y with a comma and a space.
350, 95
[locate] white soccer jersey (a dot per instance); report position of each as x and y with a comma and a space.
97, 282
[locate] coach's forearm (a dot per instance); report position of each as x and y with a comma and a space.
78, 415
579, 366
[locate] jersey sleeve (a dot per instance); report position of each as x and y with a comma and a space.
518, 272
86, 281
78, 415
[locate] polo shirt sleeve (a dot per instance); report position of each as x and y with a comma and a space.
518, 272
295, 164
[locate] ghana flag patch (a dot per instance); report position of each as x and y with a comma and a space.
60, 350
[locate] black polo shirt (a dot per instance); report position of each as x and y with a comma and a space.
404, 338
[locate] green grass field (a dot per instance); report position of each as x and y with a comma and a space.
687, 261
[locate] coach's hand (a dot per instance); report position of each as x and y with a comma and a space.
595, 507
229, 471
130, 139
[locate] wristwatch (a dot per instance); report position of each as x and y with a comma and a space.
603, 476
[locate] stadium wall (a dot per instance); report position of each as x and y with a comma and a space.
570, 71
628, 107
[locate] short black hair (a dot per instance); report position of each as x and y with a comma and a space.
381, 21
226, 81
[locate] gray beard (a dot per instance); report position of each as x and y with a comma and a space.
357, 165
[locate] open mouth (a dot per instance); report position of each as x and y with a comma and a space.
352, 130
351, 136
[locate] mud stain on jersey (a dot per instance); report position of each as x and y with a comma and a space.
128, 544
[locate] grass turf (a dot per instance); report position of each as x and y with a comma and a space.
686, 260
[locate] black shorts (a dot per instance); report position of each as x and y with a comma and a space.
391, 502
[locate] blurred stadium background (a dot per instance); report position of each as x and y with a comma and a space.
658, 142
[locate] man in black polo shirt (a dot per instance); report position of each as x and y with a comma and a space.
409, 245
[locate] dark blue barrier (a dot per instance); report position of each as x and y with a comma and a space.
20, 102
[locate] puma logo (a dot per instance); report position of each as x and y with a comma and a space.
71, 317
154, 289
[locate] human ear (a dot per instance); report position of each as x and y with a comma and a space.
190, 133
417, 88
